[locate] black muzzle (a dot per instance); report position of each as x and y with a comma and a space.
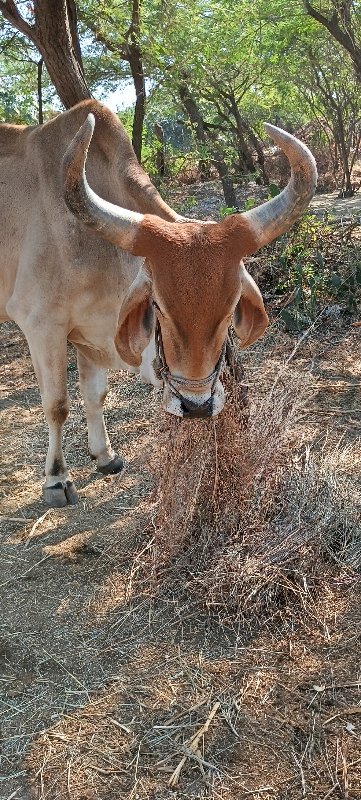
193, 410
190, 408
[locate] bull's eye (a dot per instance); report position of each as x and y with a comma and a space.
157, 307
148, 319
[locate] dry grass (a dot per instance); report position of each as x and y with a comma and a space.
84, 751
247, 523
118, 682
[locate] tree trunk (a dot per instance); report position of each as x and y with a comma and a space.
244, 153
160, 154
344, 35
195, 118
260, 154
40, 91
193, 112
204, 136
344, 151
226, 180
129, 51
136, 68
55, 35
133, 52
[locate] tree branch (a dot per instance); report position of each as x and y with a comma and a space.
12, 14
100, 37
346, 40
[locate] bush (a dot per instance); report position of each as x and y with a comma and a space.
318, 262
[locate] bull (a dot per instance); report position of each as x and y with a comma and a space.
110, 267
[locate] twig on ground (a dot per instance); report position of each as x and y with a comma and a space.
23, 574
215, 485
344, 770
343, 713
68, 779
332, 410
331, 791
192, 746
352, 685
186, 711
258, 790
108, 770
35, 526
302, 774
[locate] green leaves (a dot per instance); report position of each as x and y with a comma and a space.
243, 62
336, 280
273, 190
293, 322
318, 265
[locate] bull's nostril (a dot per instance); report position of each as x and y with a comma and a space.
192, 410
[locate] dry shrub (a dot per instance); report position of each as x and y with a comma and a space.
326, 499
311, 536
244, 522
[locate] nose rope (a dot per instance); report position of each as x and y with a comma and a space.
163, 372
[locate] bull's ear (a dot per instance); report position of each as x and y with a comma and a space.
136, 321
250, 319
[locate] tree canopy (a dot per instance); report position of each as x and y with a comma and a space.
213, 69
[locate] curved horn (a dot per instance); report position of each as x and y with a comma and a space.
118, 225
277, 215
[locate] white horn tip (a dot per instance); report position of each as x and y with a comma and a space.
277, 133
269, 128
288, 143
90, 122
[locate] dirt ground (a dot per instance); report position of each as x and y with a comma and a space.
104, 679
338, 207
107, 677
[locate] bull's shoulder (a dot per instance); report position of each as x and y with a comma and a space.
112, 167
110, 136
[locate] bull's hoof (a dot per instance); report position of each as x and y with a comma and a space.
115, 466
60, 495
71, 493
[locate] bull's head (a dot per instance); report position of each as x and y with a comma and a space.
193, 284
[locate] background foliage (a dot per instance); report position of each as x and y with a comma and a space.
212, 71
206, 75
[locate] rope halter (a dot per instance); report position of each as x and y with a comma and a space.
176, 382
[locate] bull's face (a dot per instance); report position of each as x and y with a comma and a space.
193, 285
190, 291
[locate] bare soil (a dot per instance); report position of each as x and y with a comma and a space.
206, 200
105, 678
337, 206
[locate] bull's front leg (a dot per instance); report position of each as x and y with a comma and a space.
93, 386
48, 349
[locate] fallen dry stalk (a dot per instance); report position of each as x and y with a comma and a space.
192, 746
344, 713
23, 574
36, 525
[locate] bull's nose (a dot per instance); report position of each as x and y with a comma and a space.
192, 410
192, 406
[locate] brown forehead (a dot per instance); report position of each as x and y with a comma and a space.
193, 256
